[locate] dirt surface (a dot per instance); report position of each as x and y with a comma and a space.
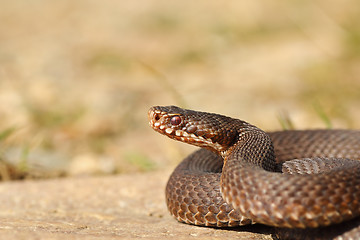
113, 207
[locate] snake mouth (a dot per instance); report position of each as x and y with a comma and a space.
159, 120
167, 123
175, 125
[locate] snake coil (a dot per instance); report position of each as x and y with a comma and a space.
235, 179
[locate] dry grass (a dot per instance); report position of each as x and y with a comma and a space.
77, 78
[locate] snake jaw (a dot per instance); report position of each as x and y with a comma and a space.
173, 124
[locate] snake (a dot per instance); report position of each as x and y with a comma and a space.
291, 179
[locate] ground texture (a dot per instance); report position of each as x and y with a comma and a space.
113, 207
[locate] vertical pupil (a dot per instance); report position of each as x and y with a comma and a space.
176, 120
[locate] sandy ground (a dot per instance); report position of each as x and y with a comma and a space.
117, 207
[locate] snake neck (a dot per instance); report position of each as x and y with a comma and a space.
253, 147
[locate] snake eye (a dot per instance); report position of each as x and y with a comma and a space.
175, 120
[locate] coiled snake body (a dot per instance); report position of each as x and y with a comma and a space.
236, 178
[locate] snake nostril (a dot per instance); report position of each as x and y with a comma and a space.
156, 117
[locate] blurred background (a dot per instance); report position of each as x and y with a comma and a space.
78, 77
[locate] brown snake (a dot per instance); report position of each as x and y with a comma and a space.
239, 181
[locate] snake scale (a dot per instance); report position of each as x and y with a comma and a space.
296, 180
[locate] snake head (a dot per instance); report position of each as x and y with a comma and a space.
208, 130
